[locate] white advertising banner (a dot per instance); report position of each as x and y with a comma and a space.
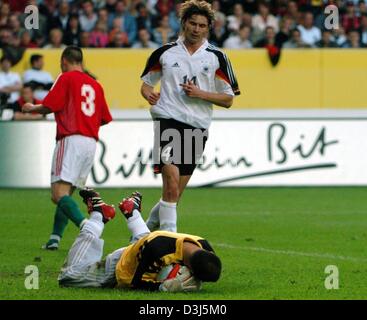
262, 152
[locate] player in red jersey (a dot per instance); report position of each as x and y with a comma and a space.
80, 108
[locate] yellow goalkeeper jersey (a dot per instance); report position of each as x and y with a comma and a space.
140, 262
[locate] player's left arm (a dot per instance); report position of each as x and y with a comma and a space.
219, 99
37, 108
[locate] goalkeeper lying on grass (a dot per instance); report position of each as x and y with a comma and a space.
142, 264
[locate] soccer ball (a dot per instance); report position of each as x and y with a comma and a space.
177, 278
171, 271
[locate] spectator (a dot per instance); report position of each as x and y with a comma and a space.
295, 42
164, 7
10, 46
61, 20
350, 19
128, 22
339, 36
293, 12
26, 40
269, 43
26, 95
143, 19
116, 28
163, 34
15, 26
174, 19
55, 40
264, 19
362, 8
216, 5
326, 40
353, 40
235, 20
17, 5
47, 8
99, 37
72, 32
218, 33
286, 25
268, 39
10, 82
144, 40
309, 33
247, 20
103, 16
279, 8
363, 30
4, 14
239, 41
40, 81
5, 37
119, 40
88, 18
84, 39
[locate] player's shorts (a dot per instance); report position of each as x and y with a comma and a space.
179, 144
73, 160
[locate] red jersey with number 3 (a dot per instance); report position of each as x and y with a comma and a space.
79, 105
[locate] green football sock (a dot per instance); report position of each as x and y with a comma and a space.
60, 222
71, 210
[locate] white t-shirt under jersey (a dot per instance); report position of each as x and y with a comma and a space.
8, 79
208, 68
39, 76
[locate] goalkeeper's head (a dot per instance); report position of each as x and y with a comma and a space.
205, 265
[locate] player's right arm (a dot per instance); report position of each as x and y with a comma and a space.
151, 75
148, 93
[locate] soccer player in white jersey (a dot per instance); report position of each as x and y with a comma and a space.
194, 75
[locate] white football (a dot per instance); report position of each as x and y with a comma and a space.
171, 271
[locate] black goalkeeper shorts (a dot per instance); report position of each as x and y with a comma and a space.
179, 144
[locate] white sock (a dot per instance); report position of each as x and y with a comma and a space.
137, 225
153, 219
94, 224
168, 216
55, 237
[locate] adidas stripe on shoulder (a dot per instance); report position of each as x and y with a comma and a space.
225, 67
153, 61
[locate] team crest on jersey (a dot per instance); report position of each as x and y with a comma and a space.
205, 66
205, 69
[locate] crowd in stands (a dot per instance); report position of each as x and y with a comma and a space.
32, 86
152, 23
238, 24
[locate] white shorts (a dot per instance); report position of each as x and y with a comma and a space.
73, 160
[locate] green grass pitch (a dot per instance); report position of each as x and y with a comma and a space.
275, 243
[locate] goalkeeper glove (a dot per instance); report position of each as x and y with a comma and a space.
183, 282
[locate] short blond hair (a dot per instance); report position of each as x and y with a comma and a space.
199, 7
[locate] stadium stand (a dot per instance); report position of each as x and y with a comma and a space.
98, 18
239, 25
